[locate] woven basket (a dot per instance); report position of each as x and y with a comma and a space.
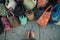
30, 14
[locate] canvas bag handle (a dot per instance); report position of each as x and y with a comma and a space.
11, 13
6, 2
48, 8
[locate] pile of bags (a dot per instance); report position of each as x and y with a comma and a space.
16, 12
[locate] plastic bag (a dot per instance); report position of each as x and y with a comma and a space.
23, 20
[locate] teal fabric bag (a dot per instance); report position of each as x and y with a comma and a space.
30, 4
23, 19
3, 11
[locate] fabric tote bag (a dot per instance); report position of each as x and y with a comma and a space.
44, 18
12, 19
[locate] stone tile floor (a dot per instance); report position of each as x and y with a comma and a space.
51, 32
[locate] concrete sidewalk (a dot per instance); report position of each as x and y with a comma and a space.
51, 32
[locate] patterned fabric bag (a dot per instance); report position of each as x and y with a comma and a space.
43, 20
55, 16
3, 11
6, 24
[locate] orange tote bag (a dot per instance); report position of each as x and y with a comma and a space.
43, 20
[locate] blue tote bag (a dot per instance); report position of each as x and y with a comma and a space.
55, 15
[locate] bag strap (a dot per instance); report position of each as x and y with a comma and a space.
10, 13
6, 3
55, 6
48, 8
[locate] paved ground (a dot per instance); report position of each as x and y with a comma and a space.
51, 32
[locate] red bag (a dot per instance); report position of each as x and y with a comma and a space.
43, 20
6, 24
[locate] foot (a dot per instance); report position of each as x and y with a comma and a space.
28, 35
